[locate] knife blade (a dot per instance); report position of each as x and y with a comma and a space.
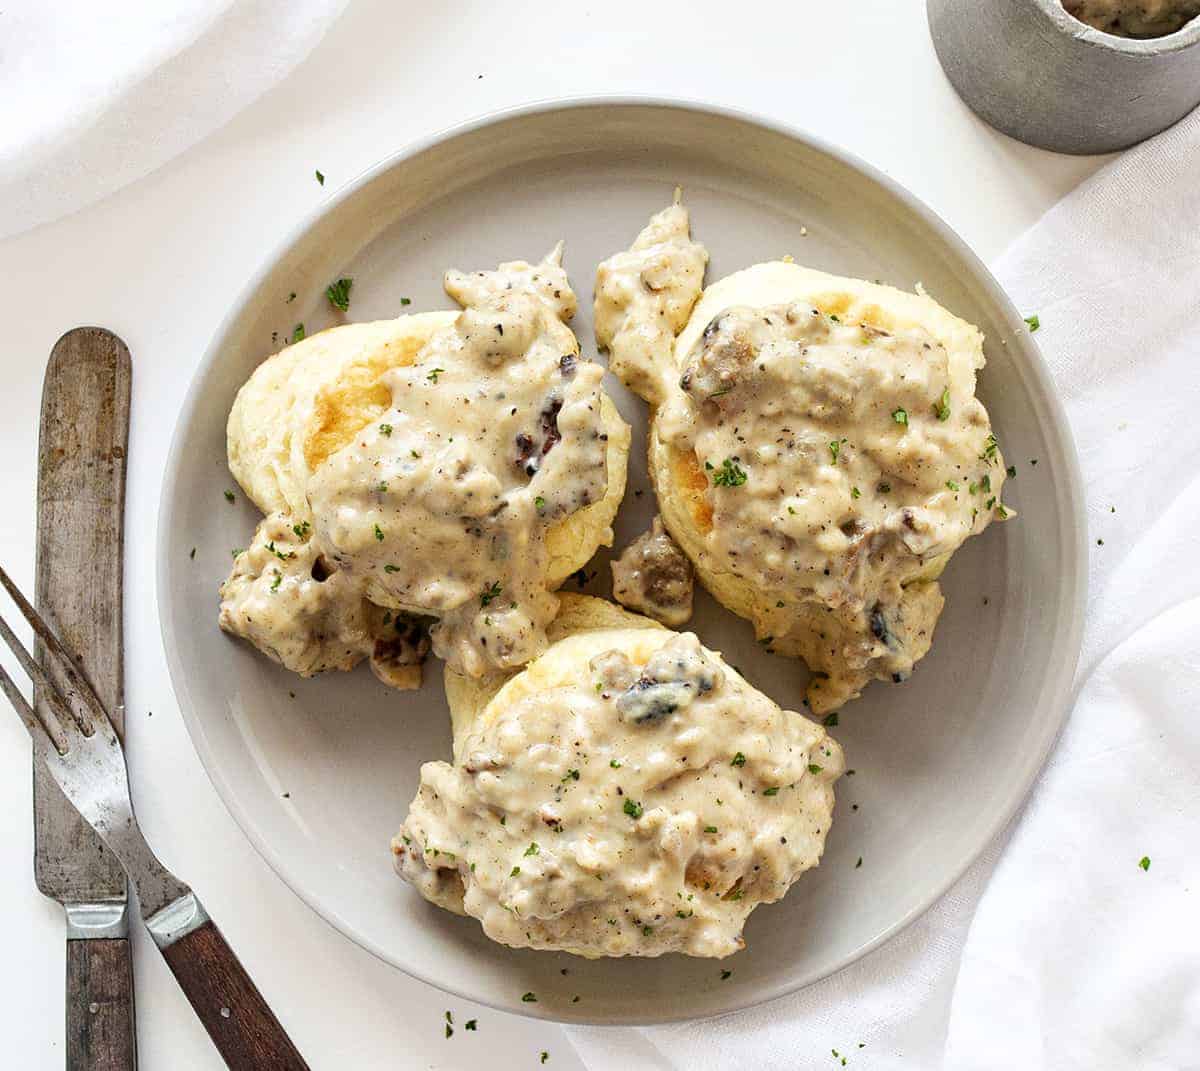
82, 443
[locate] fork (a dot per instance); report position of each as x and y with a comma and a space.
73, 736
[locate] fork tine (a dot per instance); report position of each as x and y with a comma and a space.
46, 691
58, 656
41, 733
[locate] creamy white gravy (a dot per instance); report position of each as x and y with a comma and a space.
654, 577
284, 598
440, 507
1134, 18
841, 464
634, 810
644, 297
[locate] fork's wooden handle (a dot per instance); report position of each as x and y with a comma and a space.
100, 1030
233, 1011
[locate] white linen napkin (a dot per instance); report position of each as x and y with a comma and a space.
97, 95
1080, 947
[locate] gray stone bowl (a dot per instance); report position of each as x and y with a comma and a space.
1039, 75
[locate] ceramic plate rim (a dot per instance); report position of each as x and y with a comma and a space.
1071, 516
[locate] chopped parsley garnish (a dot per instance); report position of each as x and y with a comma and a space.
320, 177
647, 931
528, 998
900, 416
730, 474
859, 863
379, 533
830, 719
298, 333
942, 408
270, 545
986, 483
471, 1024
405, 301
545, 1055
228, 496
490, 593
990, 446
814, 768
772, 791
1034, 322
1012, 474
726, 974
571, 775
952, 485
339, 294
539, 503
381, 487
433, 374
1144, 862
449, 1030
237, 550
277, 581
514, 872
884, 488
855, 492
738, 760
390, 568
533, 848
386, 429
710, 829
291, 297
1001, 512
301, 529
614, 764
835, 448
633, 809
193, 554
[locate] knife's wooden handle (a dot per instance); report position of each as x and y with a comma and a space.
100, 1021
233, 1011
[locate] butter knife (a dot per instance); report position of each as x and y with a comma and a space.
83, 438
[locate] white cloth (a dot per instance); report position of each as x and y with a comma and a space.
96, 95
1057, 949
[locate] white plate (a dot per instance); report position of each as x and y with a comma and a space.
319, 773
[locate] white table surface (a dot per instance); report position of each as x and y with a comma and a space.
158, 263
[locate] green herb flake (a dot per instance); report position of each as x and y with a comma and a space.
539, 503
772, 791
228, 496
378, 533
405, 301
533, 848
298, 333
835, 448
528, 998
738, 760
386, 429
433, 374
320, 177
855, 492
301, 529
278, 580
952, 485
1034, 322
193, 554
726, 975
471, 1024
830, 720
990, 448
614, 764
1012, 475
710, 829
859, 863
900, 416
449, 1030
390, 568
1144, 862
884, 488
647, 931
730, 474
814, 768
514, 872
545, 1055
942, 406
633, 809
237, 550
339, 294
490, 593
